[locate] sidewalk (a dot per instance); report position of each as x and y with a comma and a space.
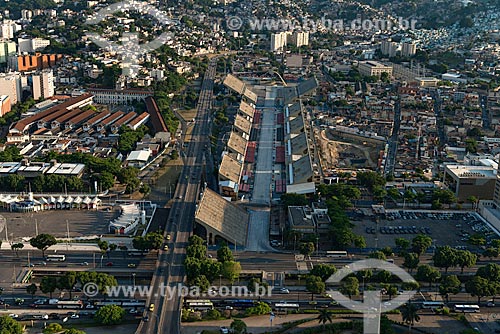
255, 325
58, 248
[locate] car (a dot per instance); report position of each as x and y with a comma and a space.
145, 319
168, 236
151, 307
284, 291
85, 263
229, 307
224, 330
131, 265
133, 311
109, 264
74, 316
165, 248
14, 316
30, 265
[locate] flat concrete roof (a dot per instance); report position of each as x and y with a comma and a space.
297, 125
250, 95
471, 172
228, 219
243, 124
234, 83
237, 143
247, 109
230, 169
294, 110
299, 144
302, 170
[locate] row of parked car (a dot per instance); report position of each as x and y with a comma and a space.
407, 215
405, 230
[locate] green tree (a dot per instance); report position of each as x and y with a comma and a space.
315, 284
31, 289
384, 276
402, 243
306, 248
370, 179
420, 243
449, 284
491, 252
16, 247
350, 287
409, 315
202, 283
480, 287
254, 282
411, 261
294, 200
427, 273
110, 315
260, 308
465, 258
377, 255
10, 326
43, 242
491, 272
224, 254
52, 328
74, 331
445, 257
238, 326
324, 317
48, 284
231, 270
323, 270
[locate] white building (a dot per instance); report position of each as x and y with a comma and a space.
388, 48
10, 85
408, 49
43, 84
7, 49
278, 41
31, 45
299, 38
8, 28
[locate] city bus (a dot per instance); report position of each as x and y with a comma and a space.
432, 305
467, 308
240, 303
56, 257
73, 304
199, 304
337, 254
286, 306
136, 253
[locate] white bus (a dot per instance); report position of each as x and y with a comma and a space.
286, 306
199, 304
467, 308
337, 254
74, 304
54, 257
432, 305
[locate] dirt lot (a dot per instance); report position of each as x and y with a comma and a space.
336, 153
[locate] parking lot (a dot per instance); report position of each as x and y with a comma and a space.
445, 228
79, 223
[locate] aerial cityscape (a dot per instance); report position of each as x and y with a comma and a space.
260, 166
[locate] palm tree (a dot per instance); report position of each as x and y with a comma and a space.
409, 315
324, 317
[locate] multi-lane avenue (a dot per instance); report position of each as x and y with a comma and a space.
164, 316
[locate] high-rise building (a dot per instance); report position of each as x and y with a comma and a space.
7, 49
278, 41
299, 38
10, 85
408, 49
31, 45
4, 104
42, 84
8, 28
388, 48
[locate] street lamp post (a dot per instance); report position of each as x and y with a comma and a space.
133, 279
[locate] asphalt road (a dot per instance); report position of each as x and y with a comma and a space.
164, 316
